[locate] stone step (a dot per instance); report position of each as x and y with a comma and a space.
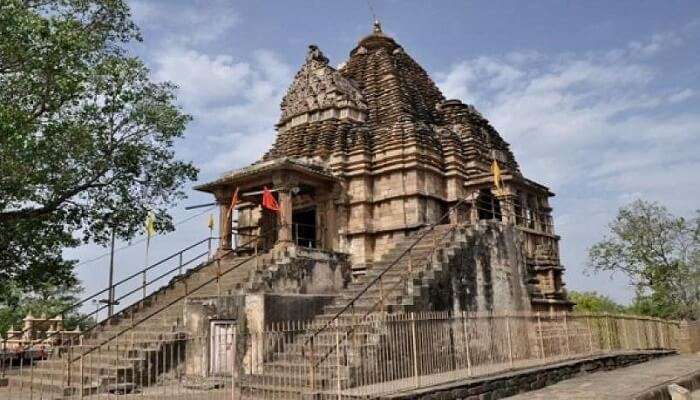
283, 367
89, 374
48, 386
321, 379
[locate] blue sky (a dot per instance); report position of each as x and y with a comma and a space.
599, 100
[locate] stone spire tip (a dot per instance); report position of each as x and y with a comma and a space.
377, 29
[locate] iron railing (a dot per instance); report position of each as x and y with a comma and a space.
399, 352
378, 280
145, 283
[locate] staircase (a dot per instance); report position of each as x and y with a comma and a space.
398, 291
122, 353
116, 352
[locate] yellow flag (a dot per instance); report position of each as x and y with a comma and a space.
496, 171
150, 224
210, 223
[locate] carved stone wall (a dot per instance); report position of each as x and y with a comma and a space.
404, 154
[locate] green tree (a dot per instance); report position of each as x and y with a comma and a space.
86, 138
592, 302
47, 300
659, 253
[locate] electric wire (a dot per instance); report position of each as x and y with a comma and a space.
142, 239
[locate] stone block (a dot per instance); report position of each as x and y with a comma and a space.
678, 392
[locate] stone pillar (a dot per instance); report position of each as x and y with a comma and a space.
473, 213
331, 239
507, 203
225, 225
285, 215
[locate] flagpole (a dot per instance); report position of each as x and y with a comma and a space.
150, 231
148, 244
211, 234
110, 296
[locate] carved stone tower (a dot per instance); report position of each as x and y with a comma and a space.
374, 152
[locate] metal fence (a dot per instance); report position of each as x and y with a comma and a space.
385, 353
381, 353
129, 367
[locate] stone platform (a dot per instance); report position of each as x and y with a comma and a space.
526, 379
645, 381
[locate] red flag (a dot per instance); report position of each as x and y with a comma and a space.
268, 200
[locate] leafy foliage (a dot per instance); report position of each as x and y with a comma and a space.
48, 300
592, 302
85, 137
660, 253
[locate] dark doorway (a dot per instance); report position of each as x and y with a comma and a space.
304, 227
488, 205
268, 230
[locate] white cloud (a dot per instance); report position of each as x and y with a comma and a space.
681, 96
596, 127
193, 22
204, 80
659, 42
235, 103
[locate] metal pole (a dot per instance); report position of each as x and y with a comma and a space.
510, 342
416, 375
566, 333
143, 274
313, 366
82, 351
208, 248
609, 331
465, 320
110, 296
539, 330
337, 357
590, 332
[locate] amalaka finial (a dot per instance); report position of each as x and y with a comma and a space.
377, 27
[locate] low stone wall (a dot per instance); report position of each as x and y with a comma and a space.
514, 382
690, 382
690, 337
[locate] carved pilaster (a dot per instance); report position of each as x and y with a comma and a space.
223, 200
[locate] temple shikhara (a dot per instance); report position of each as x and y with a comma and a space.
386, 227
372, 153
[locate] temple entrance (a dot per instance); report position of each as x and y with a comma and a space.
268, 229
304, 227
488, 205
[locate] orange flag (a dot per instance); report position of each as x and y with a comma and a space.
268, 200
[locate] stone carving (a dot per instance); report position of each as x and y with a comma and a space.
319, 86
406, 122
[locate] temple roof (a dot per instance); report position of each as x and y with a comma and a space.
318, 86
380, 98
254, 173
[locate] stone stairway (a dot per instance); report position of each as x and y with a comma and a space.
121, 354
285, 371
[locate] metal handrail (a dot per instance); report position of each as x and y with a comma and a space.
72, 307
177, 278
187, 293
376, 279
135, 290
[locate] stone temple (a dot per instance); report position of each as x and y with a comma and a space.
372, 153
388, 200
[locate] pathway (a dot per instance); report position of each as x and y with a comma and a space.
623, 383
